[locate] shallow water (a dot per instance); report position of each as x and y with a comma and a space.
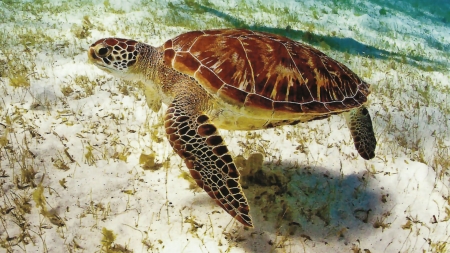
80, 150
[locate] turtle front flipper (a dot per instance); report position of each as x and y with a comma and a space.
195, 139
360, 125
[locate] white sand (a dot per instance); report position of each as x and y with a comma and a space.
323, 197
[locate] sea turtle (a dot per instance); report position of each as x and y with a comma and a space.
238, 80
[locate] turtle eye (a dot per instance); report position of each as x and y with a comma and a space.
102, 51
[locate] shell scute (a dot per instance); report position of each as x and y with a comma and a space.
169, 54
266, 71
186, 63
209, 79
353, 101
258, 101
168, 44
232, 94
287, 107
226, 57
315, 107
185, 41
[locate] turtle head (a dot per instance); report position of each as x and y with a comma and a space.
114, 55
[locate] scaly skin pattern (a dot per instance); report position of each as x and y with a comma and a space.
189, 131
361, 129
238, 80
197, 141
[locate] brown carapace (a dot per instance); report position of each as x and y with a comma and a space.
265, 71
239, 80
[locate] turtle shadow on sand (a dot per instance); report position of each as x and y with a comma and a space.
349, 45
308, 203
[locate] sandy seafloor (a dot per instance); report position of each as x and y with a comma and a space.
73, 140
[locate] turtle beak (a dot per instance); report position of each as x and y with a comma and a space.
92, 57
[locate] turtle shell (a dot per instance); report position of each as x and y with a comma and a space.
265, 72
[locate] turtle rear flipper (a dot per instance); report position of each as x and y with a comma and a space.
196, 140
360, 125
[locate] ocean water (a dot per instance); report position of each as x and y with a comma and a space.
85, 165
